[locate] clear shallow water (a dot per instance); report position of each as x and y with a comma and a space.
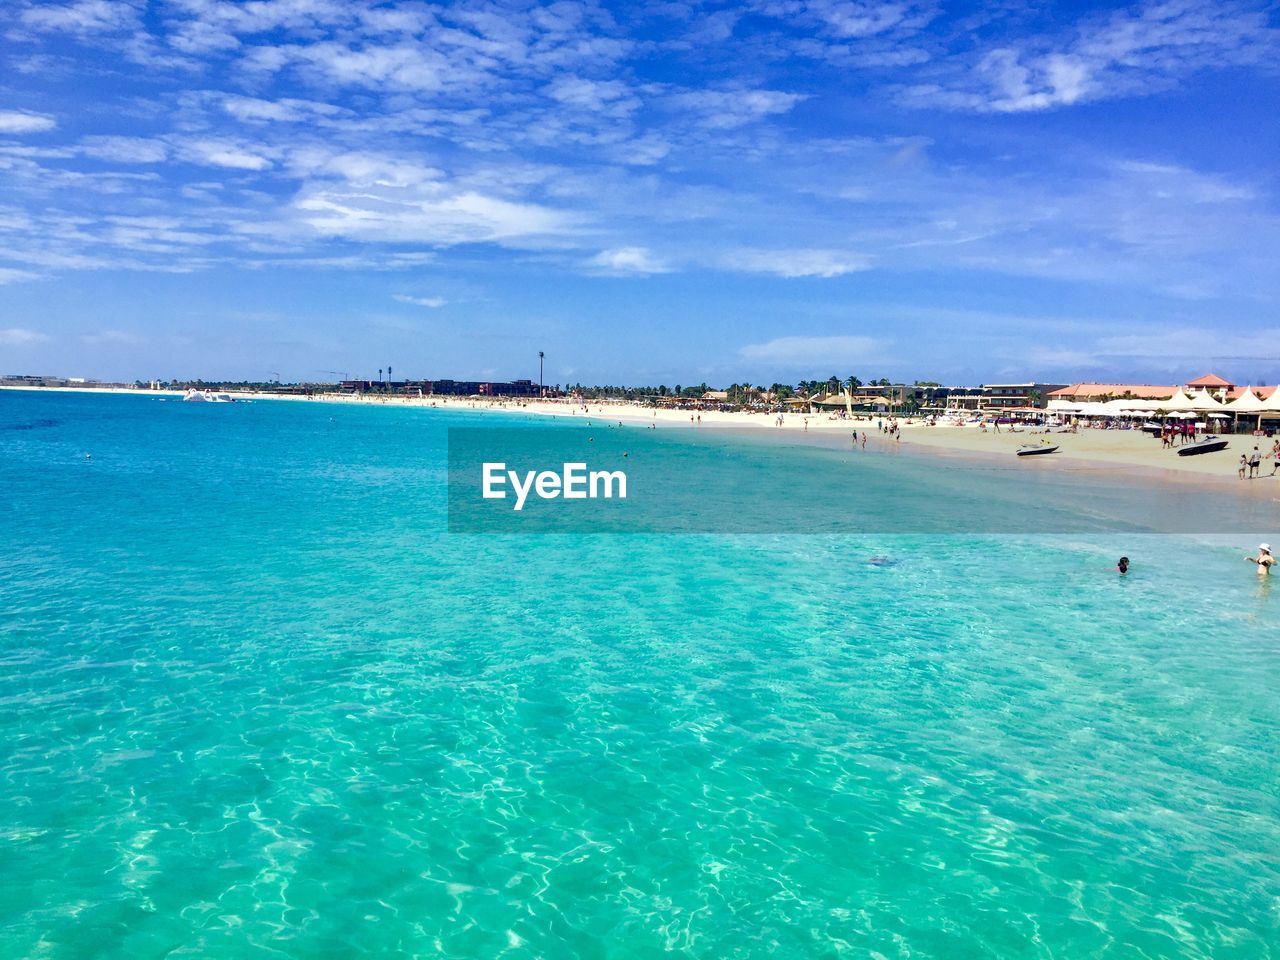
254, 701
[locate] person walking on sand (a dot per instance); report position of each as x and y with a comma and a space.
1255, 461
1244, 465
1264, 559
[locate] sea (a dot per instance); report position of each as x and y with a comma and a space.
268, 690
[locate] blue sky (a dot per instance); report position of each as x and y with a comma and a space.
662, 192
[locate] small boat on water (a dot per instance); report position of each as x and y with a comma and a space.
1207, 445
1035, 449
207, 396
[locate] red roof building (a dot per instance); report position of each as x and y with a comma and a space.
1210, 381
1088, 392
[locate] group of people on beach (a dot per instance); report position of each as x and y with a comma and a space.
1251, 463
1173, 434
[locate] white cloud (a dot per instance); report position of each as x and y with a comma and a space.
19, 337
815, 351
627, 260
125, 149
796, 263
23, 121
252, 110
10, 275
610, 97
109, 337
852, 18
83, 16
726, 109
429, 213
1131, 52
223, 153
432, 302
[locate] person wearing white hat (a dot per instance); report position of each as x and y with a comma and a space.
1265, 560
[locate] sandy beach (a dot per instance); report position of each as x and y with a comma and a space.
1115, 452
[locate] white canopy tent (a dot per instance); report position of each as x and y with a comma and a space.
1203, 402
1247, 402
1120, 408
1146, 406
1179, 401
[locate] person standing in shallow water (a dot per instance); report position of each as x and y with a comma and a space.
1265, 560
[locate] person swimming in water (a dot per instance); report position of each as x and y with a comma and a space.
1265, 559
1123, 565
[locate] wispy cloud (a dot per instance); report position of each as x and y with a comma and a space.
222, 153
127, 150
1130, 52
725, 109
797, 263
10, 275
23, 121
113, 337
424, 213
432, 302
627, 260
20, 337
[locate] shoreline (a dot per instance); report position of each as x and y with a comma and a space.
1099, 453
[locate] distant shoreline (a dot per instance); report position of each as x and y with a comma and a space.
1110, 453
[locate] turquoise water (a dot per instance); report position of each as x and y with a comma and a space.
255, 701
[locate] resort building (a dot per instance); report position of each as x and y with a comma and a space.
1208, 398
451, 388
1215, 386
31, 380
999, 396
1101, 392
996, 397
